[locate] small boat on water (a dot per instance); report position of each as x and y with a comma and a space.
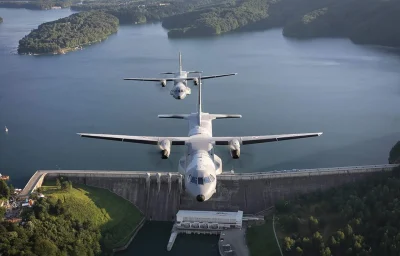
5, 129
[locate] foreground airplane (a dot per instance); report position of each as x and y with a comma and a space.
180, 89
200, 166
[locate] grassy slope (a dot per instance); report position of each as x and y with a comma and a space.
116, 216
261, 240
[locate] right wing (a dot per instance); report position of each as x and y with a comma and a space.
136, 139
262, 139
216, 76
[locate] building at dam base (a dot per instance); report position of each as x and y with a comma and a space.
208, 220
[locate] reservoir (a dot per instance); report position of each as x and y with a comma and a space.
349, 92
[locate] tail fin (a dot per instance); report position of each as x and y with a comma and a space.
199, 110
180, 62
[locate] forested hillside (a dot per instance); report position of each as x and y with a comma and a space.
65, 34
357, 219
36, 4
394, 155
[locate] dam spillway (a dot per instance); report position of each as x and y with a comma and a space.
160, 195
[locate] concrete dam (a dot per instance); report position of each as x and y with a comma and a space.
159, 195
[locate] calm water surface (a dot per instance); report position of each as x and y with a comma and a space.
349, 92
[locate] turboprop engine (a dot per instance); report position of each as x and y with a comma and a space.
165, 146
234, 147
163, 83
196, 81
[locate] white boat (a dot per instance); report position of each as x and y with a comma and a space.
5, 128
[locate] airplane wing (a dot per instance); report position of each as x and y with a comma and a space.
151, 79
216, 76
136, 139
262, 139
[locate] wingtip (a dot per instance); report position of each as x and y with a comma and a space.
320, 133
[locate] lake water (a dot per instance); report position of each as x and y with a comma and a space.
349, 92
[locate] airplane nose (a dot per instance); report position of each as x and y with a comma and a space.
200, 198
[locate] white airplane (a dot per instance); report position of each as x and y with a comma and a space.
180, 88
200, 166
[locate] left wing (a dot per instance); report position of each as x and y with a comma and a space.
136, 139
262, 139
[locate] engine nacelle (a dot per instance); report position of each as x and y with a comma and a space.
163, 83
234, 147
196, 81
165, 146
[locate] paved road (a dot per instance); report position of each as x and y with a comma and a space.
237, 240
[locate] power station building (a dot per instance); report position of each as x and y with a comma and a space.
208, 220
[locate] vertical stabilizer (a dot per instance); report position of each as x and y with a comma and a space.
180, 62
199, 110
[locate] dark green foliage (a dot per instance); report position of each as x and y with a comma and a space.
47, 231
68, 33
216, 20
66, 185
4, 189
394, 155
2, 212
58, 183
357, 219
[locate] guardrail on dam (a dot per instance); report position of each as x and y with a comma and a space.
160, 195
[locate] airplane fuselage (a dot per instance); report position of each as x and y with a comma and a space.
180, 89
200, 166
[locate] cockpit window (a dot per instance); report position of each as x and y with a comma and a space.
201, 180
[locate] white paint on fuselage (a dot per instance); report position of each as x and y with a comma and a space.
200, 160
180, 89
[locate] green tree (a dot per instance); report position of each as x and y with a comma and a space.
58, 183
4, 189
2, 212
45, 248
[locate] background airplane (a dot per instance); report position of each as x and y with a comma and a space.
200, 165
180, 89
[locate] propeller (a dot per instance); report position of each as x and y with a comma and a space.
246, 158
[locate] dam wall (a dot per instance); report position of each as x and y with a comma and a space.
160, 195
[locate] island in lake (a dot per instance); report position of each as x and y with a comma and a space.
363, 21
68, 34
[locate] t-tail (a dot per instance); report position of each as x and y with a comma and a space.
180, 62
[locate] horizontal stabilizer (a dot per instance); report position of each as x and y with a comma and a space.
167, 73
194, 72
223, 116
174, 116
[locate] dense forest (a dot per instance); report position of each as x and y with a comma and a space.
37, 4
69, 220
357, 219
394, 155
363, 21
68, 33
142, 12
